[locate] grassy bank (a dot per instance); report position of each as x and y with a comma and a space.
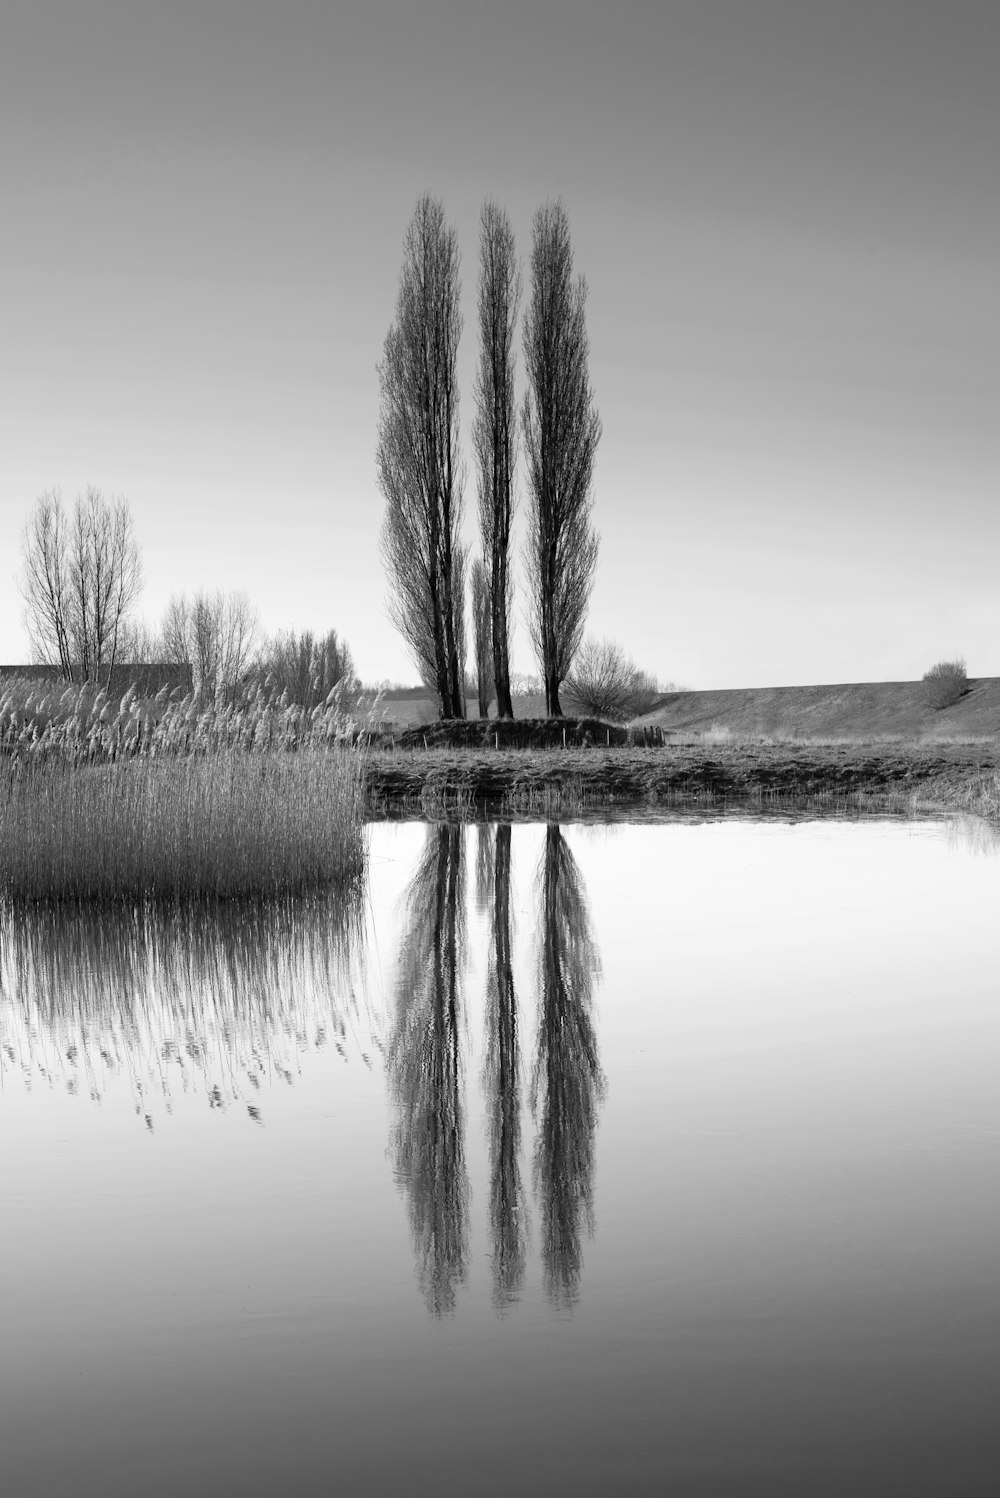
881, 776
878, 709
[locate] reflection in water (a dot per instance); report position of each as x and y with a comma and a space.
215, 1003
485, 845
423, 1059
973, 835
183, 1000
567, 1074
501, 1074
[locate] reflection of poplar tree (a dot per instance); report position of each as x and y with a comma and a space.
567, 1070
423, 1065
502, 1077
484, 866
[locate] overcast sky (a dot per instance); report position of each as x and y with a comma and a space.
788, 215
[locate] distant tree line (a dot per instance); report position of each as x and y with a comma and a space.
419, 464
81, 578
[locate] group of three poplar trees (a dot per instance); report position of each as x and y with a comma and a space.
420, 470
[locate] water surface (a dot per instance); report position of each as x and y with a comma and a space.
569, 1160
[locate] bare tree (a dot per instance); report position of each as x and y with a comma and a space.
482, 638
605, 683
494, 430
417, 458
204, 642
307, 666
45, 584
81, 579
215, 634
175, 631
561, 433
138, 645
238, 634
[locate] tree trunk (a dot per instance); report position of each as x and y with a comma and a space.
501, 662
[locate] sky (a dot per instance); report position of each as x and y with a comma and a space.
788, 217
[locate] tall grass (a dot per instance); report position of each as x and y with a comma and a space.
981, 796
174, 798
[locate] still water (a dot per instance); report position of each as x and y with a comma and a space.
592, 1159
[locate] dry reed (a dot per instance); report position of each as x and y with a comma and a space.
173, 797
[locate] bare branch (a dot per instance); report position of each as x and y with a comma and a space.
307, 668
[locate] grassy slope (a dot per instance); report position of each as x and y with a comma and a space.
893, 709
852, 710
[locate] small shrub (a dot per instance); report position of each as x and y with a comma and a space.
606, 684
945, 683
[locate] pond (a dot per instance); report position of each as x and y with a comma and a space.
583, 1159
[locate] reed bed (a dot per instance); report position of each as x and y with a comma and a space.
174, 797
980, 796
230, 826
81, 724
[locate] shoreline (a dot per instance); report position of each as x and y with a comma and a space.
894, 778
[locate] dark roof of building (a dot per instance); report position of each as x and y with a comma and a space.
148, 677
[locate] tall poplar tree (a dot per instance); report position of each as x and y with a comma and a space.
417, 458
494, 431
561, 432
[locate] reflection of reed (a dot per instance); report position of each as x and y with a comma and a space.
502, 1078
567, 1072
178, 997
423, 1060
974, 835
